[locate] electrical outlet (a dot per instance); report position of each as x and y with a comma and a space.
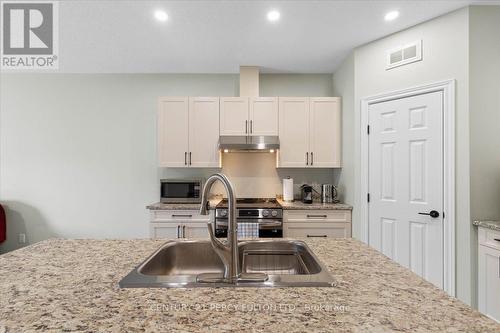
21, 238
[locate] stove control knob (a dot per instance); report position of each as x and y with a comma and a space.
265, 213
223, 212
274, 213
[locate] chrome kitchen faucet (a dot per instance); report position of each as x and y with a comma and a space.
228, 253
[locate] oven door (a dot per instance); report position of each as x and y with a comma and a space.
267, 228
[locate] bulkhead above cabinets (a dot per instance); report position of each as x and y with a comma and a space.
309, 129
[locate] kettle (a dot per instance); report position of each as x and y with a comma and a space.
328, 193
306, 193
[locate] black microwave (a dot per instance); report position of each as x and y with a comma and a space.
181, 190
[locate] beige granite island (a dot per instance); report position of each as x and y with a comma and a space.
72, 285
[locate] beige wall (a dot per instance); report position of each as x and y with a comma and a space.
484, 106
343, 85
445, 56
78, 151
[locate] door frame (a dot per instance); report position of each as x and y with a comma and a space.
448, 89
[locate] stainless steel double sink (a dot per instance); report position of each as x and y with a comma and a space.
177, 264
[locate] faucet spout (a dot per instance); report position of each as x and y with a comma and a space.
228, 253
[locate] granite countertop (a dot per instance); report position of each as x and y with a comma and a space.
181, 206
495, 225
72, 285
286, 205
315, 205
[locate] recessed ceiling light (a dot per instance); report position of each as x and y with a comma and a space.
392, 15
161, 16
273, 15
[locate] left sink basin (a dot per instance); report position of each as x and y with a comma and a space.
183, 258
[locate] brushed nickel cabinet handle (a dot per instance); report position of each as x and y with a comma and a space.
307, 158
185, 158
312, 158
182, 215
251, 126
497, 239
246, 126
183, 231
318, 236
189, 158
316, 216
178, 231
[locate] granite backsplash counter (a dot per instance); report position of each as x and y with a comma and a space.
297, 204
494, 225
285, 204
72, 285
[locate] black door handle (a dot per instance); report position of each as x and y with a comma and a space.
432, 213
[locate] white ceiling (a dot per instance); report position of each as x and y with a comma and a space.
219, 36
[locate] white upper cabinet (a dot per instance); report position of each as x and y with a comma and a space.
234, 116
248, 116
173, 126
188, 132
310, 132
325, 132
294, 132
263, 116
204, 132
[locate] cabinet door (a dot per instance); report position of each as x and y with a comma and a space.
294, 132
263, 116
203, 132
489, 282
165, 230
325, 132
195, 230
173, 131
234, 116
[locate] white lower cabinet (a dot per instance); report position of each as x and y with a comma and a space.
173, 224
317, 223
489, 273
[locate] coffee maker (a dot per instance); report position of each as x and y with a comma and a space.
306, 192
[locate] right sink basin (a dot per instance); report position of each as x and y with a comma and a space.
287, 263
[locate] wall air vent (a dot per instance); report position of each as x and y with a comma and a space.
404, 55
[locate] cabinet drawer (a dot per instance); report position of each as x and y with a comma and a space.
179, 216
300, 216
489, 237
317, 230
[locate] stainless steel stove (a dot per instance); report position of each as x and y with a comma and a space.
256, 217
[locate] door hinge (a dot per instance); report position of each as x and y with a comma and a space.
368, 129
368, 197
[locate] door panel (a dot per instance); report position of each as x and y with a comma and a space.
405, 179
204, 132
173, 131
263, 116
294, 131
234, 116
325, 132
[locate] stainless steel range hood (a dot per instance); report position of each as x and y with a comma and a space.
249, 143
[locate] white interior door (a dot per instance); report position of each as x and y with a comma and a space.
406, 181
294, 132
203, 132
173, 131
325, 132
234, 116
263, 116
